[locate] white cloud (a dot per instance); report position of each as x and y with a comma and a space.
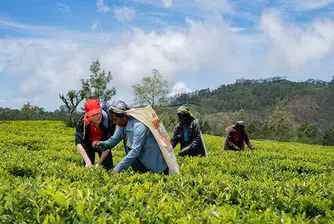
13, 102
294, 45
214, 45
55, 66
179, 87
95, 26
50, 33
237, 29
102, 7
168, 3
124, 14
156, 3
44, 67
63, 7
11, 24
308, 5
40, 65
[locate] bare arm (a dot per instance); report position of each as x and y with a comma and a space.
248, 143
84, 155
104, 155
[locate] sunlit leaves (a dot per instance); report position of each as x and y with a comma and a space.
42, 180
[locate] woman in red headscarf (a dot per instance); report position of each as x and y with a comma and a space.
94, 125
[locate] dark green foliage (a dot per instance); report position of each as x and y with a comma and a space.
205, 127
97, 85
328, 137
59, 114
152, 90
71, 100
256, 102
169, 121
94, 87
28, 111
331, 84
276, 127
250, 95
308, 132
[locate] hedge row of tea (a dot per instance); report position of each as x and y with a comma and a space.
42, 180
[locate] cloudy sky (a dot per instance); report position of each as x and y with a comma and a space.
46, 47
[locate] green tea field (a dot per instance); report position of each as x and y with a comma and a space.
42, 180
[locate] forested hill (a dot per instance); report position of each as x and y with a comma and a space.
264, 102
254, 95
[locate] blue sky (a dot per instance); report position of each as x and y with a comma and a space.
46, 47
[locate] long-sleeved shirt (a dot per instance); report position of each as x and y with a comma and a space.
82, 134
235, 139
189, 134
139, 143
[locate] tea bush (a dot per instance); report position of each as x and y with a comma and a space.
42, 180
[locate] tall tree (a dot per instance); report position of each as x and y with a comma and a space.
97, 85
28, 111
71, 100
277, 125
328, 137
152, 90
94, 87
331, 83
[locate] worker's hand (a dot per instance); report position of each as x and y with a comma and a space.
237, 148
184, 151
89, 164
96, 144
99, 145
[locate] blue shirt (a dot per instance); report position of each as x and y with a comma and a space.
139, 144
185, 134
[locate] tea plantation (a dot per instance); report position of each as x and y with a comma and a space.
42, 180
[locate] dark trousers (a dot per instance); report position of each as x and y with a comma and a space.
166, 171
108, 161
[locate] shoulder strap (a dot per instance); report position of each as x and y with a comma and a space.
105, 119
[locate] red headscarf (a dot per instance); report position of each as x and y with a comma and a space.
92, 107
